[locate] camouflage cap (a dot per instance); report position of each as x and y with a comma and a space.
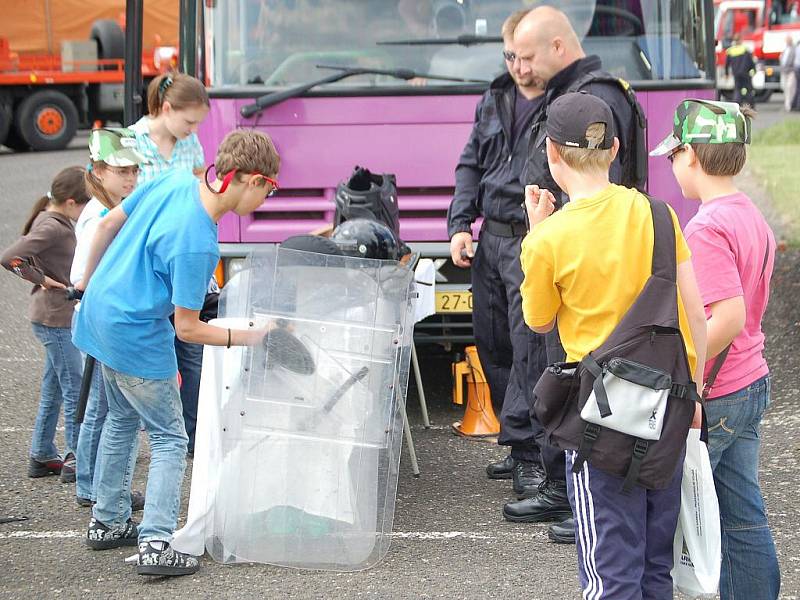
115, 146
705, 122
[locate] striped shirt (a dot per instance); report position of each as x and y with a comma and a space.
187, 154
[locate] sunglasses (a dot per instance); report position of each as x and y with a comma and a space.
509, 56
124, 171
226, 181
671, 155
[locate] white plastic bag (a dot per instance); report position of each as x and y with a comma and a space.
697, 546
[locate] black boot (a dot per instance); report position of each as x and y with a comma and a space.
527, 476
550, 504
562, 533
501, 469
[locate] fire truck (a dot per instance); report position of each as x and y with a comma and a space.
763, 26
62, 66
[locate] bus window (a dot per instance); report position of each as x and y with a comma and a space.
277, 44
784, 12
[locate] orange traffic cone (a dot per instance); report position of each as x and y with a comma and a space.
479, 419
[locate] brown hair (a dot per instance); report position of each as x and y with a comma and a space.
247, 151
510, 24
723, 160
587, 160
67, 184
180, 90
95, 187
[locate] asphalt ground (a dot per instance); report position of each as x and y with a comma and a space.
449, 540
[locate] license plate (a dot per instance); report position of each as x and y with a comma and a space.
453, 302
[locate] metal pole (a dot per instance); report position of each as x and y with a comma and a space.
188, 37
134, 85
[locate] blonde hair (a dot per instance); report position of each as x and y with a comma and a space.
247, 151
510, 24
588, 160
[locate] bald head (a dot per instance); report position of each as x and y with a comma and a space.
546, 41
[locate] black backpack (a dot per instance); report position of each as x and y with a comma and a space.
367, 195
634, 162
647, 348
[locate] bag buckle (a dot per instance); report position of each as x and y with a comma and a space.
640, 448
678, 390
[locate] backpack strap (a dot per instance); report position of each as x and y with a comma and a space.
590, 434
665, 261
640, 448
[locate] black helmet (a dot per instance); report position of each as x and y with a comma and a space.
366, 238
368, 195
311, 243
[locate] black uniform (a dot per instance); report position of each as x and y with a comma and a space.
488, 184
537, 172
739, 62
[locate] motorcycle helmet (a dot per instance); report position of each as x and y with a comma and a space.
365, 238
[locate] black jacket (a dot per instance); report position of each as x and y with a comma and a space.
537, 171
739, 61
488, 173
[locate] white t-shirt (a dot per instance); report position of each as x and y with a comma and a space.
84, 232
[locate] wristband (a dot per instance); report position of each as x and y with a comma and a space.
229, 339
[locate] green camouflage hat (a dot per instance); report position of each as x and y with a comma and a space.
114, 146
705, 122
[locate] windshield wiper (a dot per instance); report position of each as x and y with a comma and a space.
274, 98
466, 39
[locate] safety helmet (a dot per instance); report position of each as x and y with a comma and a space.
366, 238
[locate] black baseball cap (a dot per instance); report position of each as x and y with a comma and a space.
570, 115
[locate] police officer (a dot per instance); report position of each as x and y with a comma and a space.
488, 185
548, 49
739, 61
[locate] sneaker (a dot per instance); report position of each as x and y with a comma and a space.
102, 537
68, 470
84, 501
43, 469
159, 558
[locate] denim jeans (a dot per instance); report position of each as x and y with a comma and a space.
157, 403
750, 568
89, 437
61, 384
190, 363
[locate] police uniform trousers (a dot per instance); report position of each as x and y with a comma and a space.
503, 339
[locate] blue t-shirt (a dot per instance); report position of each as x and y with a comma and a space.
162, 257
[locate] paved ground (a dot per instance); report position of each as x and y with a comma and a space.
450, 540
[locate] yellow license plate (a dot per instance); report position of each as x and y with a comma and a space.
454, 302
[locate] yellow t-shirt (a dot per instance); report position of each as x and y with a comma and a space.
586, 265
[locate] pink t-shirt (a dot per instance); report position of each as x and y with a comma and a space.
729, 240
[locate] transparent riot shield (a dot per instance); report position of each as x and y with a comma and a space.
311, 420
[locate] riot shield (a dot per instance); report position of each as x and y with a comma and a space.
310, 421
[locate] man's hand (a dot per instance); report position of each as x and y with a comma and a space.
462, 242
52, 284
539, 204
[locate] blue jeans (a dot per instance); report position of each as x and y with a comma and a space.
749, 563
61, 384
190, 363
157, 403
89, 437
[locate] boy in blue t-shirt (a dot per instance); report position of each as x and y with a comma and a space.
159, 263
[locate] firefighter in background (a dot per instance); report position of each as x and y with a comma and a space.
740, 63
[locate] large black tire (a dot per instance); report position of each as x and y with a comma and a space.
110, 41
46, 120
6, 117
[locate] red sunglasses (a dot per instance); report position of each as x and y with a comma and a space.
226, 181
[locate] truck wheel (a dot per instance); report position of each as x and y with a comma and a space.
47, 120
5, 121
110, 41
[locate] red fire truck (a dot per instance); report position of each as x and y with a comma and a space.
62, 66
763, 26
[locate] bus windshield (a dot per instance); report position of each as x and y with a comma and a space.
277, 44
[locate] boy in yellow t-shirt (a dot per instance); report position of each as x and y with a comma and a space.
584, 268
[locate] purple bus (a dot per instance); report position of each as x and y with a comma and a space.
401, 82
